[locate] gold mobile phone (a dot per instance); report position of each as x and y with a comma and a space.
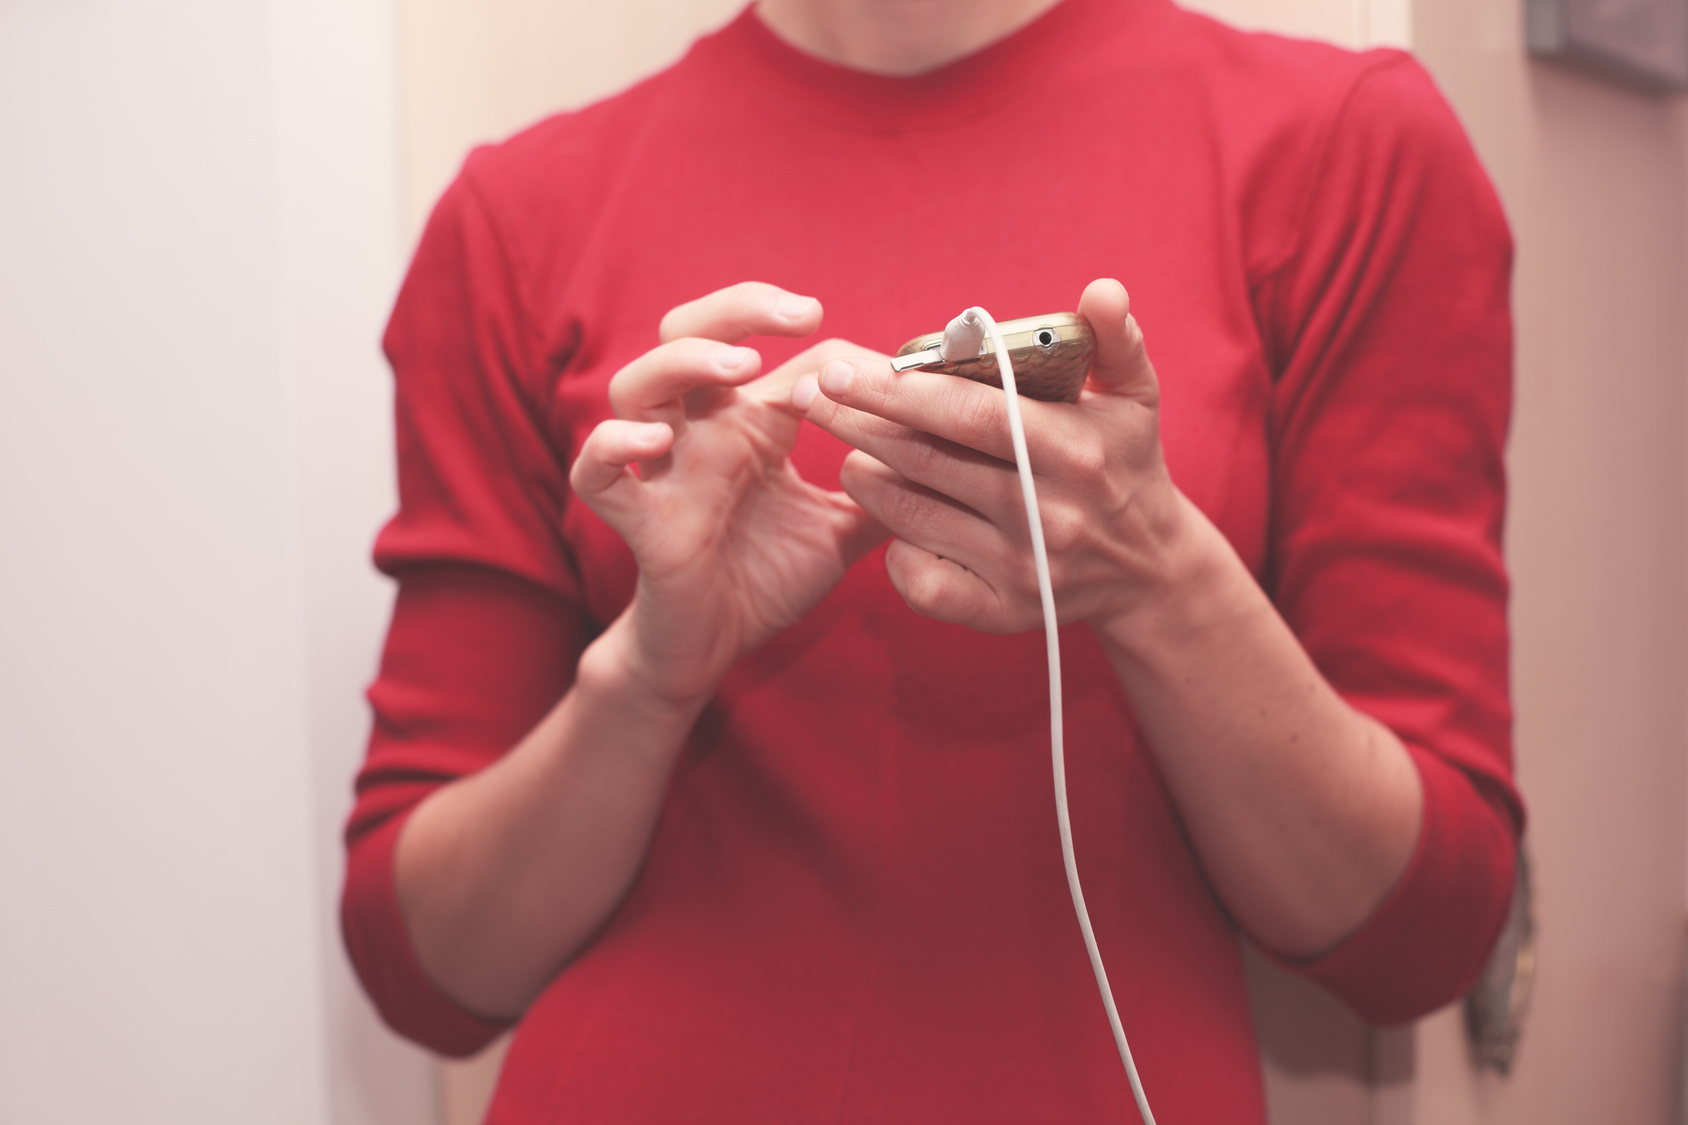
1051, 356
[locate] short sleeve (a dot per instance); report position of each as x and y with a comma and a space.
1389, 331
486, 627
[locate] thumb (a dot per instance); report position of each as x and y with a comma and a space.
1121, 365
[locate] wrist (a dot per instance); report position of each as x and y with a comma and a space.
1194, 583
612, 669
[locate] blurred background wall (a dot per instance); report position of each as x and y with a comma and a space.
200, 233
1595, 181
205, 207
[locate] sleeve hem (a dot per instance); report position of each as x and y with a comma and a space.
384, 956
1426, 942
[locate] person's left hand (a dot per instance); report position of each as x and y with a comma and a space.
933, 463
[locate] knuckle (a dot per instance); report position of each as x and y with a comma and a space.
906, 509
1114, 496
924, 587
659, 375
627, 371
631, 386
1063, 530
577, 475
1086, 459
745, 293
591, 453
923, 456
751, 310
884, 394
731, 310
745, 305
978, 417
621, 388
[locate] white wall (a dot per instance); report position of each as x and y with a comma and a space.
338, 217
199, 233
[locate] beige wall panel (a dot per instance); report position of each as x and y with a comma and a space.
1593, 180
477, 70
1352, 23
1340, 21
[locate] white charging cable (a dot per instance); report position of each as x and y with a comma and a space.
964, 339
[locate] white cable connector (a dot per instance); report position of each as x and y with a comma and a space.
963, 339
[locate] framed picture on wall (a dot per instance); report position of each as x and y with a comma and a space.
1638, 41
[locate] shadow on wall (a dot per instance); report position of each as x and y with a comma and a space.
1322, 1064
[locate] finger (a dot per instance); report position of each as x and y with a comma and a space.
652, 387
970, 415
1121, 365
945, 590
980, 482
779, 386
946, 406
928, 519
750, 308
603, 476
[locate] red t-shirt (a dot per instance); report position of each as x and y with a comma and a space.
853, 908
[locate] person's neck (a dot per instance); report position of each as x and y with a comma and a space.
900, 37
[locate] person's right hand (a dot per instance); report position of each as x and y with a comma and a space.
732, 544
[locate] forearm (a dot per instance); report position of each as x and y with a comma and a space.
1303, 811
504, 875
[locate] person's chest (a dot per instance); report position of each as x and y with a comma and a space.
895, 234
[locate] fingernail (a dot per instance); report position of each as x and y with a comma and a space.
837, 376
804, 392
791, 306
731, 359
650, 433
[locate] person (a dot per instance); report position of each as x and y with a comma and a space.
710, 740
